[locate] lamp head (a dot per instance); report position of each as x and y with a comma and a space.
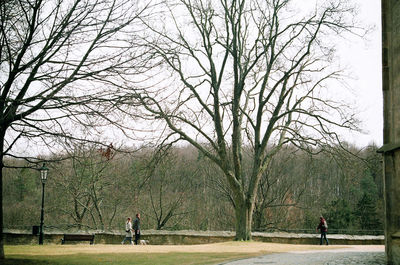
43, 173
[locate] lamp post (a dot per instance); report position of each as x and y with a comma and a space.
43, 177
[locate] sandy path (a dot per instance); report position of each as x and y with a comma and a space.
235, 247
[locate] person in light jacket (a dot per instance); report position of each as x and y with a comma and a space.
128, 231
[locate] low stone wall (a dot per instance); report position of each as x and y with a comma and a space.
191, 237
314, 239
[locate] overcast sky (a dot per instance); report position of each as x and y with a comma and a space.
364, 59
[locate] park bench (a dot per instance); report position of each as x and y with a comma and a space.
77, 237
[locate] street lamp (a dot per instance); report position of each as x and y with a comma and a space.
43, 177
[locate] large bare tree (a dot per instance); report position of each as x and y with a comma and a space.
55, 56
247, 73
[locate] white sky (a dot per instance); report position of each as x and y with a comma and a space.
364, 60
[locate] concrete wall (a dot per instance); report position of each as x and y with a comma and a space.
193, 237
391, 127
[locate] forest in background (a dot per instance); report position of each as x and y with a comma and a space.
177, 188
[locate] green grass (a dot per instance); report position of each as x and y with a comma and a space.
125, 259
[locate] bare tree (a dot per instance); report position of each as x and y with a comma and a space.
280, 190
56, 57
85, 179
169, 189
162, 184
247, 73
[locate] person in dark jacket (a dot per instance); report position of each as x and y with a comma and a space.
136, 228
323, 227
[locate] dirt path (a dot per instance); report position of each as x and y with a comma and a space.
234, 247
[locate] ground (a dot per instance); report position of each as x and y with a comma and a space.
241, 253
226, 247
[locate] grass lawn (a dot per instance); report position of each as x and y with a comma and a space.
125, 259
146, 255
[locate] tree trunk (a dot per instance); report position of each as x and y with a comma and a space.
2, 135
244, 214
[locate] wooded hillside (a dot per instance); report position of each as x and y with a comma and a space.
176, 189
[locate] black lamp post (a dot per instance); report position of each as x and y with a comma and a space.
43, 177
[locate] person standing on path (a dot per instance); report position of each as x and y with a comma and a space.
323, 227
128, 230
136, 228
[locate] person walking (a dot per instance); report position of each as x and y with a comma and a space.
136, 228
323, 227
128, 230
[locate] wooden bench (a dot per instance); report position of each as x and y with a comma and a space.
77, 237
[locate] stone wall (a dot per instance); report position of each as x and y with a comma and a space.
195, 237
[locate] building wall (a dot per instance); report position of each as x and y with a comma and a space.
391, 130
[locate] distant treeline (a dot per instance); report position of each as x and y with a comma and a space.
178, 188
